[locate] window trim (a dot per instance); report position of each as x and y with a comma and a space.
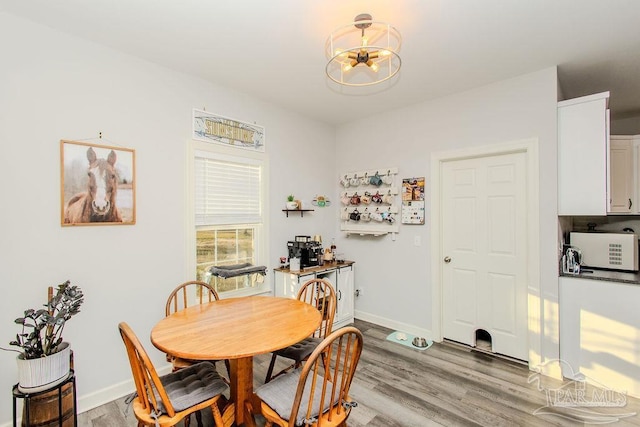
262, 251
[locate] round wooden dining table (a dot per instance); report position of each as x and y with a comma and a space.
236, 329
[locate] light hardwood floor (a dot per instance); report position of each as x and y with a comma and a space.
445, 385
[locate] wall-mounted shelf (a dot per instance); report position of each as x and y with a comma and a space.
368, 233
302, 211
378, 203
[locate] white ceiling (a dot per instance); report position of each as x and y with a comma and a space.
274, 50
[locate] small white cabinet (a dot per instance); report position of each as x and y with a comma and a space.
287, 284
621, 175
345, 293
583, 155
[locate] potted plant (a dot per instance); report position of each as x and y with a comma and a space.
291, 202
45, 357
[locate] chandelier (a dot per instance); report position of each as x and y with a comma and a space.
363, 53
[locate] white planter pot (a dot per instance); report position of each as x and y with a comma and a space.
44, 372
292, 205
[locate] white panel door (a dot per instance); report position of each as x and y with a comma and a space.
484, 223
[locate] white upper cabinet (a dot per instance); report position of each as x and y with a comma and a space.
583, 155
621, 180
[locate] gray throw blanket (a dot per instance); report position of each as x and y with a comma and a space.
227, 271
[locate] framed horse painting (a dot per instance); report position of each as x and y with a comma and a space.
97, 185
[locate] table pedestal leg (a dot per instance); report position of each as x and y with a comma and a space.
241, 386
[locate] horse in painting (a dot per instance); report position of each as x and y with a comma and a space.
98, 202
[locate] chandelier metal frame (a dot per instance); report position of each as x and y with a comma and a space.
363, 52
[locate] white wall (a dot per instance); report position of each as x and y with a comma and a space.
55, 87
395, 274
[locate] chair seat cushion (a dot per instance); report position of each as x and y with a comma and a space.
280, 393
301, 350
192, 385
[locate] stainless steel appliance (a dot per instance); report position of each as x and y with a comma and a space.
616, 251
308, 251
571, 260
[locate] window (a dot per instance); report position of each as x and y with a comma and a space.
229, 225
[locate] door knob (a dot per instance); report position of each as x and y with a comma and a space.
447, 259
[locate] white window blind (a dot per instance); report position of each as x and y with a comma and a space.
227, 190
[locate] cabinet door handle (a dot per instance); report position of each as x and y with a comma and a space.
630, 203
339, 295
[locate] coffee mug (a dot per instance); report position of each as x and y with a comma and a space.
345, 182
344, 199
376, 198
364, 180
366, 199
355, 215
355, 199
354, 181
344, 215
388, 199
377, 216
375, 180
387, 179
365, 216
390, 218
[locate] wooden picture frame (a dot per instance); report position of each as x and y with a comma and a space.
97, 184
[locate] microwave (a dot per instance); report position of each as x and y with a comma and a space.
616, 251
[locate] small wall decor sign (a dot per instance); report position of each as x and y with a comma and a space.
413, 200
97, 184
321, 201
209, 127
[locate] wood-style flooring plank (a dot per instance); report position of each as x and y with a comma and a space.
445, 385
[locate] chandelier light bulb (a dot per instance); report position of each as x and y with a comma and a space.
341, 53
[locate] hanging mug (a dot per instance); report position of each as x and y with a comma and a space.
376, 198
364, 180
345, 182
344, 215
377, 216
375, 180
355, 215
355, 199
354, 181
365, 216
387, 199
366, 199
390, 218
388, 178
344, 199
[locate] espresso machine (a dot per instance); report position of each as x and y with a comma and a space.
308, 250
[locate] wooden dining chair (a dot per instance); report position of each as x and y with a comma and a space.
164, 401
185, 295
296, 398
320, 294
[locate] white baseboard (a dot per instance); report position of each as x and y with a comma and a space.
111, 393
393, 324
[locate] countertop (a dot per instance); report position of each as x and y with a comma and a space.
316, 268
606, 275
